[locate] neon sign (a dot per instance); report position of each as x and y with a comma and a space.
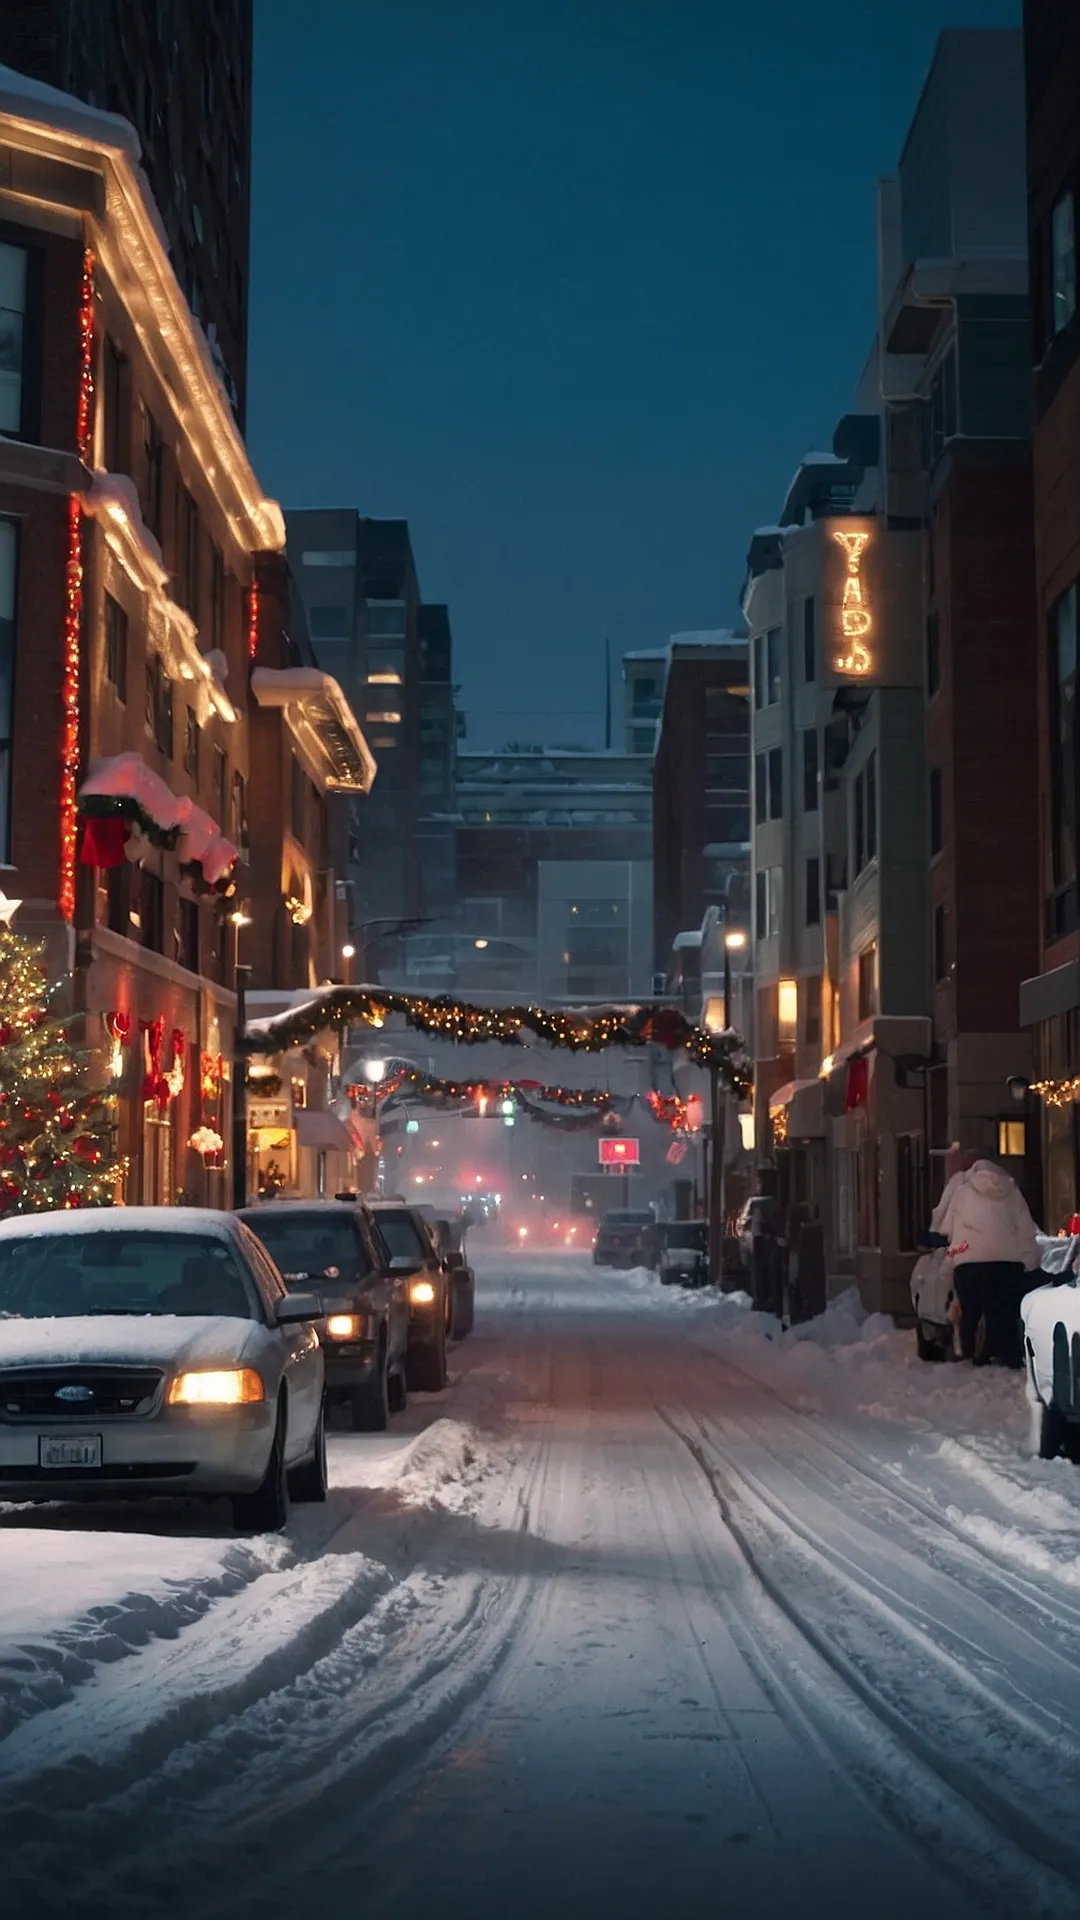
856, 622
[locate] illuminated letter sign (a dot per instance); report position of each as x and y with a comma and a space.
619, 1153
855, 619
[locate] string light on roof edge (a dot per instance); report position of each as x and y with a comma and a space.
253, 619
73, 585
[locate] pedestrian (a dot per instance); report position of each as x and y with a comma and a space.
992, 1245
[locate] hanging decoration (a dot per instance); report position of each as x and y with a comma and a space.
1057, 1093
208, 1142
161, 1085
669, 1109
123, 795
211, 1076
119, 1027
174, 1078
571, 1109
588, 1030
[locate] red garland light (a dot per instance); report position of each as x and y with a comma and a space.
253, 619
69, 744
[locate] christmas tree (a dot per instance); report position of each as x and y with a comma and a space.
56, 1130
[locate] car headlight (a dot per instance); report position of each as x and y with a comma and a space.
345, 1326
224, 1387
422, 1293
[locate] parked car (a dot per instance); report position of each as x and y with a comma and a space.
332, 1249
410, 1247
148, 1351
449, 1230
684, 1252
1051, 1321
626, 1237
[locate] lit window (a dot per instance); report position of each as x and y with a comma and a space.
787, 1007
1012, 1139
1063, 246
384, 679
383, 719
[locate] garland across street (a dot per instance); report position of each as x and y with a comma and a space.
581, 1030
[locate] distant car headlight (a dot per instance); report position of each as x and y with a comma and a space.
225, 1387
422, 1293
344, 1326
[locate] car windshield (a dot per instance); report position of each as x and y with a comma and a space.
45, 1276
312, 1244
627, 1220
402, 1236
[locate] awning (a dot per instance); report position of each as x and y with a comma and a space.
322, 1131
804, 1103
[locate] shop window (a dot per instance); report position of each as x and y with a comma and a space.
1011, 1139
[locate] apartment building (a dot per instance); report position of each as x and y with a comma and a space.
701, 788
1050, 996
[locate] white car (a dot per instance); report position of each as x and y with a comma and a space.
156, 1350
1051, 1317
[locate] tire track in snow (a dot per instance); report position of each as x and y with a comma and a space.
1049, 1865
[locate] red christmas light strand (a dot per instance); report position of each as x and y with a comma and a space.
253, 619
69, 693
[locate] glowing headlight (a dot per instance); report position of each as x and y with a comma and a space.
421, 1293
234, 1387
344, 1326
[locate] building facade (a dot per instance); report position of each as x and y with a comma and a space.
179, 73
1050, 997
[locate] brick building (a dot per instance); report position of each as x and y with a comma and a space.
1050, 997
141, 578
179, 72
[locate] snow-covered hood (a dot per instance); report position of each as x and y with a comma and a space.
990, 1181
164, 1340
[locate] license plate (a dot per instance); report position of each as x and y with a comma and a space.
70, 1450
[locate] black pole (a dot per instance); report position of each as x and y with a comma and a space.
239, 1110
718, 1106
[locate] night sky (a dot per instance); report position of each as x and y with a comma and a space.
571, 285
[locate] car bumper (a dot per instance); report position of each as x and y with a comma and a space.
426, 1324
348, 1365
180, 1451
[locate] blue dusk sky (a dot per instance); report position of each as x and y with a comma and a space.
571, 285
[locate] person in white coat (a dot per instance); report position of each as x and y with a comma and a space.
992, 1245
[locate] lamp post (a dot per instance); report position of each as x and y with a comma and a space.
375, 1074
393, 922
734, 942
241, 976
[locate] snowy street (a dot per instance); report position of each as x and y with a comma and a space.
655, 1606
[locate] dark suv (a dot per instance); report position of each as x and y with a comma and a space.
412, 1249
626, 1238
331, 1248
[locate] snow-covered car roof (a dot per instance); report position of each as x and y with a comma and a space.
121, 1220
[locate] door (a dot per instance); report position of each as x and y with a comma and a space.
302, 1361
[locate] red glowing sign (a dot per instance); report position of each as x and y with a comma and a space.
619, 1153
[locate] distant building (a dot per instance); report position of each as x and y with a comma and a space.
1050, 997
643, 697
701, 788
180, 72
554, 874
439, 728
358, 581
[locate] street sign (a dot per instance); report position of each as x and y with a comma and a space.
619, 1153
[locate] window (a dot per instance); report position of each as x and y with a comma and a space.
761, 905
933, 653
9, 578
809, 638
297, 802
385, 619
858, 797
776, 896
1063, 738
118, 895
116, 645
187, 935
813, 892
776, 783
1011, 1139
192, 732
810, 770
14, 264
340, 557
941, 963
152, 464
220, 785
159, 702
811, 995
217, 600
772, 643
759, 672
868, 984
761, 788
1063, 261
187, 552
871, 806
112, 399
936, 829
238, 815
329, 623
152, 910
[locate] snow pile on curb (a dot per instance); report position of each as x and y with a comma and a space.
446, 1467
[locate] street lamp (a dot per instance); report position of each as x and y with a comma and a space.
348, 953
375, 1074
734, 942
239, 917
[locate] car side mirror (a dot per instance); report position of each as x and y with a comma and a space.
296, 1308
403, 1263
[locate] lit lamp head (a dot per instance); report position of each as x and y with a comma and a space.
240, 918
348, 951
374, 1072
735, 941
